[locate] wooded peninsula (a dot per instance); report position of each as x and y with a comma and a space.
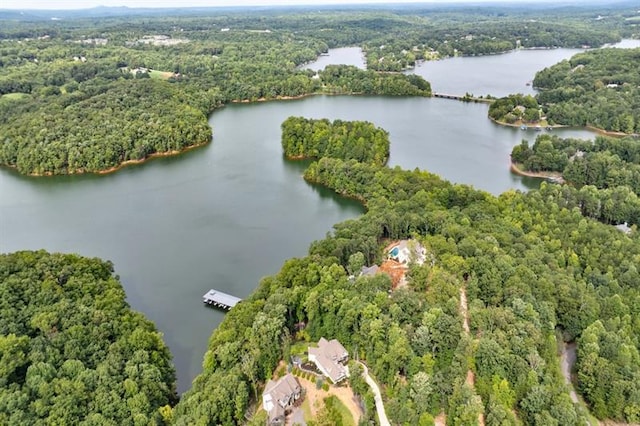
472, 334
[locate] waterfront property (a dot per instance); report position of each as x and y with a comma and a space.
219, 299
406, 251
279, 396
330, 357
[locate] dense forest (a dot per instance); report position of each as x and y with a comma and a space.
71, 349
605, 174
358, 140
62, 108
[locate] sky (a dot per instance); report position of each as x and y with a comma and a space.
85, 4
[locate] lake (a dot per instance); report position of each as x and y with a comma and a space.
342, 56
227, 214
496, 75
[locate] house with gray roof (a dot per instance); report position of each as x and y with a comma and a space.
369, 271
329, 357
280, 395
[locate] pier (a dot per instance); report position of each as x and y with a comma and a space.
220, 300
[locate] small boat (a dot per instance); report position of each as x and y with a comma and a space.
523, 127
537, 129
549, 128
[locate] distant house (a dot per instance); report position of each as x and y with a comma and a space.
406, 251
624, 227
369, 271
278, 396
329, 357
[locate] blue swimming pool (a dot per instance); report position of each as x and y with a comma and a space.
394, 252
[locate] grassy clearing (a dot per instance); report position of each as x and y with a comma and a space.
299, 348
15, 96
347, 417
161, 75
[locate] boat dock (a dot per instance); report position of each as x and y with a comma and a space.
220, 300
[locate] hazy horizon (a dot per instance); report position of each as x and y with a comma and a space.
84, 4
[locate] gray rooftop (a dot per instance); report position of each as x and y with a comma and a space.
221, 298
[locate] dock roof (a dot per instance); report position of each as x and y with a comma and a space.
221, 298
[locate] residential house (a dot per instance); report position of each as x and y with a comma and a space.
329, 357
369, 271
624, 227
280, 395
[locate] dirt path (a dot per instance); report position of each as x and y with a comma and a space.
567, 360
441, 420
464, 309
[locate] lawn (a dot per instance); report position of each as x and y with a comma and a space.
15, 96
306, 409
163, 75
337, 405
299, 348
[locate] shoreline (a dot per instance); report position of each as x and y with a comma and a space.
555, 176
603, 132
360, 200
114, 168
149, 157
610, 133
531, 126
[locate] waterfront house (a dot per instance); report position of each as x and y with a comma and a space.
406, 251
369, 271
278, 396
329, 357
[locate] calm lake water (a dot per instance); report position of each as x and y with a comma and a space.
341, 56
496, 75
227, 214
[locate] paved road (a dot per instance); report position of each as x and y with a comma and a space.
377, 396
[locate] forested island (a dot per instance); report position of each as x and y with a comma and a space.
351, 140
475, 332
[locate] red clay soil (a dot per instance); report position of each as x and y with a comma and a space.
396, 271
